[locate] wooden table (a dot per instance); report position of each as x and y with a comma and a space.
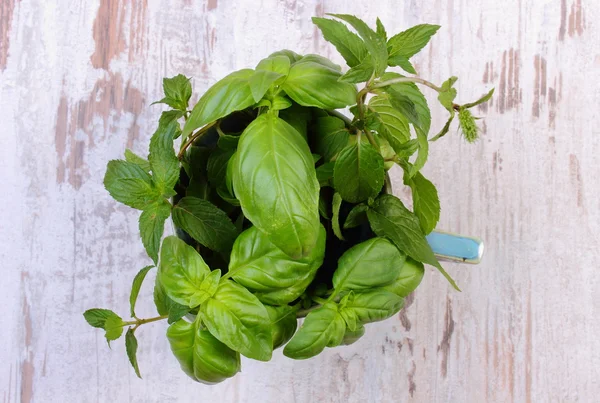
76, 82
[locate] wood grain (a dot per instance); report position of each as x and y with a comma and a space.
76, 82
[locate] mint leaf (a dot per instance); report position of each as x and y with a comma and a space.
114, 328
135, 288
178, 91
205, 222
448, 94
96, 317
131, 346
410, 42
414, 94
331, 136
358, 172
405, 106
389, 218
168, 117
483, 99
381, 29
393, 124
325, 173
347, 43
425, 201
335, 220
444, 130
403, 62
359, 73
162, 158
374, 43
407, 149
129, 184
152, 224
422, 155
130, 156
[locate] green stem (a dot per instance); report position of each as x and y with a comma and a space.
140, 322
339, 115
194, 137
319, 300
403, 80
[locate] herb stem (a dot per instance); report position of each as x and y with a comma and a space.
319, 300
403, 80
140, 322
194, 137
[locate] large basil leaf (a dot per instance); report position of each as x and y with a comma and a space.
291, 55
166, 306
201, 356
388, 217
129, 184
232, 93
276, 64
350, 46
152, 225
283, 323
181, 271
373, 305
310, 83
275, 181
374, 43
162, 158
409, 279
330, 136
393, 124
238, 319
323, 327
205, 222
373, 263
351, 337
359, 172
263, 268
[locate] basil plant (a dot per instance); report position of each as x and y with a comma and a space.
281, 203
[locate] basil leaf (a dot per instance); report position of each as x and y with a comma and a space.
166, 306
163, 161
330, 136
261, 81
263, 268
374, 43
181, 271
350, 46
152, 225
232, 93
278, 64
409, 279
274, 179
335, 220
359, 172
297, 116
129, 184
425, 201
217, 166
228, 142
372, 263
388, 217
325, 173
373, 305
323, 327
130, 156
135, 288
283, 323
131, 346
291, 55
410, 42
238, 319
393, 125
205, 222
350, 337
178, 91
356, 216
310, 83
201, 356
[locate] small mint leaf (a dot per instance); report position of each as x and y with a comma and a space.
135, 288
131, 346
96, 317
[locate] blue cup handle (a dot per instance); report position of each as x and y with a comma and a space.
455, 248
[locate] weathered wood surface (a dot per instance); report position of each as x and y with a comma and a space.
76, 81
